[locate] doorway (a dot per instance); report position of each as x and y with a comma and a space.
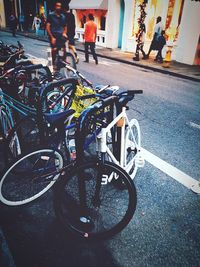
121, 23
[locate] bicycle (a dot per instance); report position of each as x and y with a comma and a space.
63, 58
31, 126
83, 186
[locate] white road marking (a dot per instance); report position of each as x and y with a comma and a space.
194, 125
172, 171
103, 62
31, 56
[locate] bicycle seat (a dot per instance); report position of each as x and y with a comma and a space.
59, 117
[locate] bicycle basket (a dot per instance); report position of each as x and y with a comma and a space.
79, 105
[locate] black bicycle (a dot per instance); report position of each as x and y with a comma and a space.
89, 199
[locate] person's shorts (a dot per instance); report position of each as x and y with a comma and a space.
60, 42
71, 41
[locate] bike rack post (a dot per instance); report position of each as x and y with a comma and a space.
49, 58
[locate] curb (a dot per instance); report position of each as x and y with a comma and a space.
163, 71
6, 259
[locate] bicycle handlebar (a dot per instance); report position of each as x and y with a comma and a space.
122, 99
32, 67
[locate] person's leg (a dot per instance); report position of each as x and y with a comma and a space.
53, 53
73, 48
92, 48
86, 52
37, 31
143, 53
160, 59
136, 58
150, 49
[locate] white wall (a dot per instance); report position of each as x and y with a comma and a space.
189, 32
127, 40
112, 24
3, 23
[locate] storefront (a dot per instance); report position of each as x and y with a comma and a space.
81, 10
178, 18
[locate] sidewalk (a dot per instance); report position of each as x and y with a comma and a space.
176, 69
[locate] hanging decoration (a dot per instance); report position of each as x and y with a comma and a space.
141, 20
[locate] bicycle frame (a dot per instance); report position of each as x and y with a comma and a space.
120, 121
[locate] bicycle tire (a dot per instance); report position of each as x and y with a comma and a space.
98, 221
132, 147
70, 60
30, 176
27, 132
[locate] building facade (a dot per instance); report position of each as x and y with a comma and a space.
117, 22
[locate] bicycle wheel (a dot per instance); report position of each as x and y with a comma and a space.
70, 60
30, 177
132, 147
24, 137
90, 203
52, 96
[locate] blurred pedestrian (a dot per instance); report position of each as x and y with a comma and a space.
140, 42
157, 32
90, 35
56, 28
161, 44
21, 22
13, 22
71, 31
36, 24
43, 22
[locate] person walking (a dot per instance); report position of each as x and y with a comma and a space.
161, 44
157, 32
71, 30
56, 28
90, 35
21, 22
13, 22
140, 43
36, 24
43, 22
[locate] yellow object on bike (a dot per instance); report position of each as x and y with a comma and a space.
80, 104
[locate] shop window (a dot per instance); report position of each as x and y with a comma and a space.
102, 23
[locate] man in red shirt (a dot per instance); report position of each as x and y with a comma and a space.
90, 35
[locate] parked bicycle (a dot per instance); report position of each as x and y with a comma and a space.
85, 189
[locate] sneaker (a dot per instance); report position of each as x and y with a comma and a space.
77, 60
96, 61
136, 59
86, 61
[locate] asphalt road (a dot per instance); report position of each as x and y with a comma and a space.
165, 230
